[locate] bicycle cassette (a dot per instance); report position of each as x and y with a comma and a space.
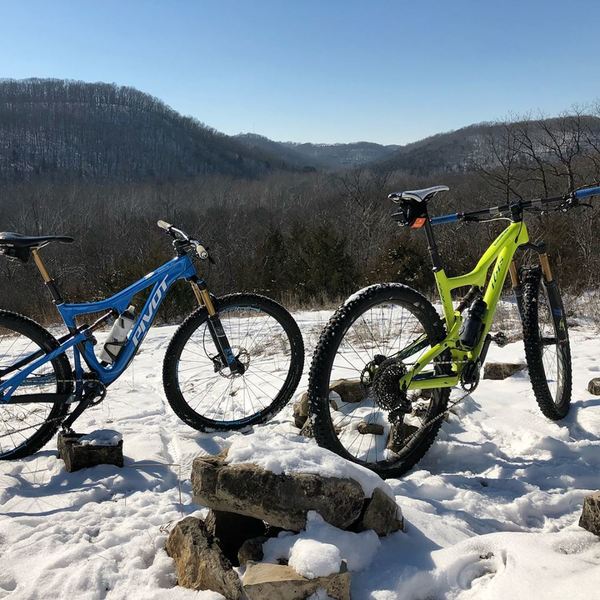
386, 388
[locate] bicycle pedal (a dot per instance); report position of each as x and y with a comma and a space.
500, 339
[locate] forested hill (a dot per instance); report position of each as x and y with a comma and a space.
491, 144
59, 130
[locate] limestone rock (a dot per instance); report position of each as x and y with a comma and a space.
301, 410
280, 500
232, 530
499, 371
399, 434
365, 428
251, 550
78, 455
594, 386
199, 562
349, 390
280, 582
590, 516
307, 429
381, 514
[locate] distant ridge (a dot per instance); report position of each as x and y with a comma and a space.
320, 156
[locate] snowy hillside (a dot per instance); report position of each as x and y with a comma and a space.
491, 511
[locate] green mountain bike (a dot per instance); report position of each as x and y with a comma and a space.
385, 363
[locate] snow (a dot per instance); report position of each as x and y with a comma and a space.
357, 549
282, 453
101, 437
501, 482
313, 559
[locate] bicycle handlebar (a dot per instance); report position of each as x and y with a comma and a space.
564, 203
180, 236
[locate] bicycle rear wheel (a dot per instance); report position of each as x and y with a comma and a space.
366, 419
265, 339
25, 428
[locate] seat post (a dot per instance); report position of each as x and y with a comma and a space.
50, 283
432, 247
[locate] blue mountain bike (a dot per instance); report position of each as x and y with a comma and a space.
234, 362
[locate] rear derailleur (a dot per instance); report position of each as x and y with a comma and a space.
383, 376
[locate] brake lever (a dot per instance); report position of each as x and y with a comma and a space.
571, 202
567, 204
203, 252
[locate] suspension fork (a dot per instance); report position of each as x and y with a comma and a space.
556, 305
552, 290
215, 327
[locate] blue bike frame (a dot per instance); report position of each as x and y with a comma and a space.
81, 339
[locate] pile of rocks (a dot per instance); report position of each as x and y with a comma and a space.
249, 505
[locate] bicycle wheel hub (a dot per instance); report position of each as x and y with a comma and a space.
242, 363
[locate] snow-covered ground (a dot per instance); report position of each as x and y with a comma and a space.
491, 511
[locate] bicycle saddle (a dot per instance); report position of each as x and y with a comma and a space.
18, 240
419, 195
18, 246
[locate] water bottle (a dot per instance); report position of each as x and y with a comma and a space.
470, 331
117, 336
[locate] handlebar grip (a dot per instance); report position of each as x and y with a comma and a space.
587, 192
164, 225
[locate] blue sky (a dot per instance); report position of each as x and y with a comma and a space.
322, 71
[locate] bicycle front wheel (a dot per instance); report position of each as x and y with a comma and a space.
264, 338
547, 348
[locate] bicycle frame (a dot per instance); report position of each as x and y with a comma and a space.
499, 256
80, 339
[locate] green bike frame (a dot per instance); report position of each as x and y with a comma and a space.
498, 257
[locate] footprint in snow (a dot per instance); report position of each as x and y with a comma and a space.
472, 569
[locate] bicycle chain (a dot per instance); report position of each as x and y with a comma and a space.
451, 405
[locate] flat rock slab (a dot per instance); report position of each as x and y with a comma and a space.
199, 562
77, 454
594, 386
500, 371
590, 516
278, 499
280, 582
